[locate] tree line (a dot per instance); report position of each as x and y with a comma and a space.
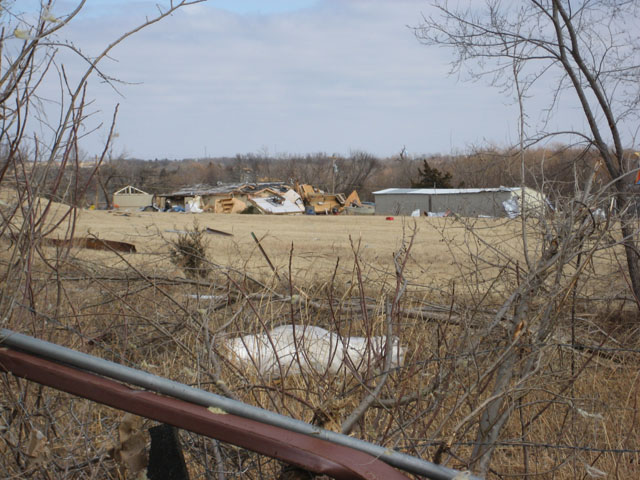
558, 171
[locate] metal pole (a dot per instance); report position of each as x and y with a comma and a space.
184, 392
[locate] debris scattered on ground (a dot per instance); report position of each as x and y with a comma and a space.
264, 197
218, 232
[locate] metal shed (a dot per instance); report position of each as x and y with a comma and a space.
467, 202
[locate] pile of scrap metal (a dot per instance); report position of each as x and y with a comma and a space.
318, 202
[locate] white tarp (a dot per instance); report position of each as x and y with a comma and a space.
195, 205
309, 350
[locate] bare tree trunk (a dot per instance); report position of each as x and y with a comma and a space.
105, 192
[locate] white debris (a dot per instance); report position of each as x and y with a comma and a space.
585, 414
466, 475
415, 213
599, 215
294, 198
195, 205
594, 472
512, 207
277, 204
290, 350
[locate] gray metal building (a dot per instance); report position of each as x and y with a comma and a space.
466, 202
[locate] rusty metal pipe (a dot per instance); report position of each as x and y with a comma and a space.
193, 395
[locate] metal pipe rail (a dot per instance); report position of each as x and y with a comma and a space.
303, 451
189, 394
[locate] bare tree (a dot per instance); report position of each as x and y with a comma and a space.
576, 50
354, 171
41, 157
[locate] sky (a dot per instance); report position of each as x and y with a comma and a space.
279, 77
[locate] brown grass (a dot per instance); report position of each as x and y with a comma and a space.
138, 309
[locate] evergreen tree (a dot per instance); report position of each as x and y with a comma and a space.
431, 178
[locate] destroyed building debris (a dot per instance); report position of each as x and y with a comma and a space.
271, 198
227, 198
277, 204
318, 202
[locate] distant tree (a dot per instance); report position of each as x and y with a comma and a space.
431, 177
354, 171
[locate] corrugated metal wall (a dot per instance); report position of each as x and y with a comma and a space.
464, 204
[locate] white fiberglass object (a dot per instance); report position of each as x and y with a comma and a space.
294, 349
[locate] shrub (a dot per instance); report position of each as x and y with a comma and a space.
189, 252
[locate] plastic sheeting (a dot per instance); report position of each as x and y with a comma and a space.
195, 205
290, 350
512, 207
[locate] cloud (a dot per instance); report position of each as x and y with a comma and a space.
316, 76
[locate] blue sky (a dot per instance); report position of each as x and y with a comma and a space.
297, 76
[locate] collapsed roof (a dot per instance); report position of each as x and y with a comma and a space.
226, 189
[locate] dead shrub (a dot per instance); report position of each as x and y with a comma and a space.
189, 252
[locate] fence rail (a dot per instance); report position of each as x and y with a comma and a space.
269, 433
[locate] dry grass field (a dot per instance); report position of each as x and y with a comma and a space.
315, 243
443, 250
438, 283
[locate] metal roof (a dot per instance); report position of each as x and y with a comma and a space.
442, 191
284, 206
